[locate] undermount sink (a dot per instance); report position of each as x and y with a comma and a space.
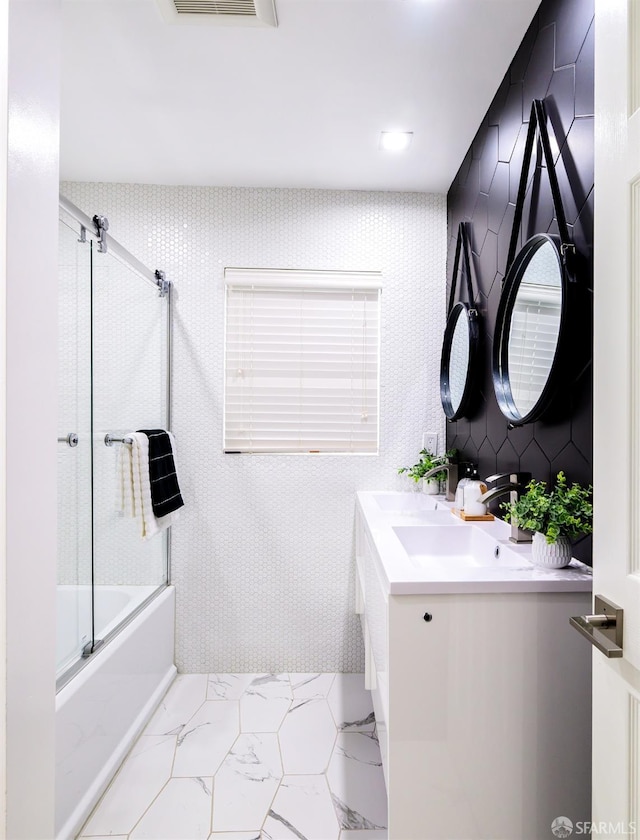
406, 503
465, 546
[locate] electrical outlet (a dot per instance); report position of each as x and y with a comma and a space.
430, 442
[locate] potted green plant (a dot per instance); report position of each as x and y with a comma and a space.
428, 461
556, 517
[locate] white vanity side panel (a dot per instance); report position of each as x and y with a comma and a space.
376, 606
489, 716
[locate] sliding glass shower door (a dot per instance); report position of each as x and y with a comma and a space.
113, 380
74, 446
129, 393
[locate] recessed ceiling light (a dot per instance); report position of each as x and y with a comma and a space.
395, 141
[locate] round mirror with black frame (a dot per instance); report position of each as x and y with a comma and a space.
457, 367
460, 347
531, 341
531, 335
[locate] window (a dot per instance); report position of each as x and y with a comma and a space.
302, 361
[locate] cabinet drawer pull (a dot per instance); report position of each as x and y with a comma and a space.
427, 616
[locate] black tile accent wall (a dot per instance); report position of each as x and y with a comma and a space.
554, 62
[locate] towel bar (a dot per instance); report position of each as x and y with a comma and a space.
109, 440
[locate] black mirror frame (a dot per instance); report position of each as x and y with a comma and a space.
500, 356
471, 316
463, 248
516, 265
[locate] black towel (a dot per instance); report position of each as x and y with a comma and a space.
165, 491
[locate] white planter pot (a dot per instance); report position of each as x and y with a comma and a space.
555, 555
431, 486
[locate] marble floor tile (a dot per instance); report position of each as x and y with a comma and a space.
311, 685
307, 736
206, 738
270, 686
246, 783
234, 835
185, 696
182, 811
265, 702
302, 809
351, 703
228, 686
142, 776
209, 766
356, 782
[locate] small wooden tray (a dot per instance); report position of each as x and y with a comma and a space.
487, 517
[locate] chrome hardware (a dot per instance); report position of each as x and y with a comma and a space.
91, 647
83, 234
71, 439
109, 440
452, 478
163, 284
102, 226
516, 483
604, 629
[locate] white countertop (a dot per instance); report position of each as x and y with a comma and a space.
408, 575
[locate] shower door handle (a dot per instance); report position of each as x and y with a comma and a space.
71, 439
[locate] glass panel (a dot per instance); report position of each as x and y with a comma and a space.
129, 393
534, 328
74, 462
459, 359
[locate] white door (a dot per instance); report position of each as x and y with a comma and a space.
616, 682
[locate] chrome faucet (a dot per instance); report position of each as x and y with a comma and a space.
516, 483
452, 478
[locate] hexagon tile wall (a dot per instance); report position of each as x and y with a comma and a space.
263, 554
554, 61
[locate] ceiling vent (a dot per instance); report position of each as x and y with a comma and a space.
220, 12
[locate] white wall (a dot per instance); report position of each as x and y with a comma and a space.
29, 210
4, 147
263, 556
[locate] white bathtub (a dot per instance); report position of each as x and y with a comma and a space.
103, 708
73, 627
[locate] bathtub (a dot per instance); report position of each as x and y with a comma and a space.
73, 610
103, 708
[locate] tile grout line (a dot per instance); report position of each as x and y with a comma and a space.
333, 746
277, 734
329, 791
171, 776
213, 793
146, 810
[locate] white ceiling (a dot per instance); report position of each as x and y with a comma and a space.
300, 105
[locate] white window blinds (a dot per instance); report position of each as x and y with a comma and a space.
535, 325
302, 361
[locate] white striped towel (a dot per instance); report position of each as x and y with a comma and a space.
133, 496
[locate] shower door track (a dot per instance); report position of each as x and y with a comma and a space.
106, 243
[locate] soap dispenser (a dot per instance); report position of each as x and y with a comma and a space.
472, 491
467, 475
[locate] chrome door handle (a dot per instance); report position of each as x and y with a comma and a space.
71, 439
604, 629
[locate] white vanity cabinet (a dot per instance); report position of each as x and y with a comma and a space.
483, 710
